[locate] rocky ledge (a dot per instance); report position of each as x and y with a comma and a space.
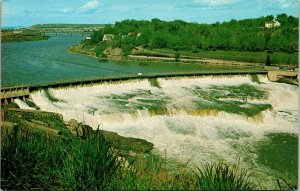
54, 125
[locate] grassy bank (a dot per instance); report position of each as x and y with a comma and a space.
277, 58
211, 57
20, 36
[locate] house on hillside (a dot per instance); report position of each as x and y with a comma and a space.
272, 24
132, 34
107, 37
88, 38
17, 32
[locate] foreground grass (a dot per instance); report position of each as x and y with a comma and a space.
223, 177
32, 160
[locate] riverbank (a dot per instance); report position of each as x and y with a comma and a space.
53, 124
225, 58
109, 54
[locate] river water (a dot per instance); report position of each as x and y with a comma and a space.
38, 62
196, 118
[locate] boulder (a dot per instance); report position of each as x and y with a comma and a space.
79, 129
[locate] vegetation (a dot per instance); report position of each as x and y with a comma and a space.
22, 35
41, 26
288, 81
67, 27
268, 61
242, 56
222, 176
177, 56
241, 37
46, 163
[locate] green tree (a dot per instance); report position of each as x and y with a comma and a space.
177, 56
268, 61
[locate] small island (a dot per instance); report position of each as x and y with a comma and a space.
21, 35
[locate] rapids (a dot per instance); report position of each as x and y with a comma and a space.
198, 119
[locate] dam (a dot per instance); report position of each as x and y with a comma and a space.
10, 93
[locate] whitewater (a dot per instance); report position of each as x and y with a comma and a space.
189, 118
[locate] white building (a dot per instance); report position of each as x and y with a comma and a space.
17, 32
272, 24
107, 37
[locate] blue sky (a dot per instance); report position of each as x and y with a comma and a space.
30, 12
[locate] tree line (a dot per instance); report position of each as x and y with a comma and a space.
240, 35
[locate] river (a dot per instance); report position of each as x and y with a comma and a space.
196, 118
37, 62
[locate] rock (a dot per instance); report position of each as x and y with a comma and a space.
79, 129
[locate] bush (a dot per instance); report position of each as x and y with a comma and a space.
222, 176
177, 56
100, 48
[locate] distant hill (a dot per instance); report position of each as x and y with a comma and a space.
78, 26
67, 27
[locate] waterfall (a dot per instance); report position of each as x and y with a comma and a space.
197, 118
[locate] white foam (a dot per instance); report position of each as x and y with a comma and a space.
23, 105
196, 137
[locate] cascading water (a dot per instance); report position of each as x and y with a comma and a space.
199, 118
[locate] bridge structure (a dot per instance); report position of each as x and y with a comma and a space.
8, 94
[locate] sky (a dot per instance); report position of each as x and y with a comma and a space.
30, 12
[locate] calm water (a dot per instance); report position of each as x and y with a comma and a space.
47, 61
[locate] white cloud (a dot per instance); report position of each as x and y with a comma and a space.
215, 2
287, 3
66, 10
90, 5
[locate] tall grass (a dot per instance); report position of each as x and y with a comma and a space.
41, 162
222, 176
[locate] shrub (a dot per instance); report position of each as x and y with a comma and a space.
222, 176
177, 56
